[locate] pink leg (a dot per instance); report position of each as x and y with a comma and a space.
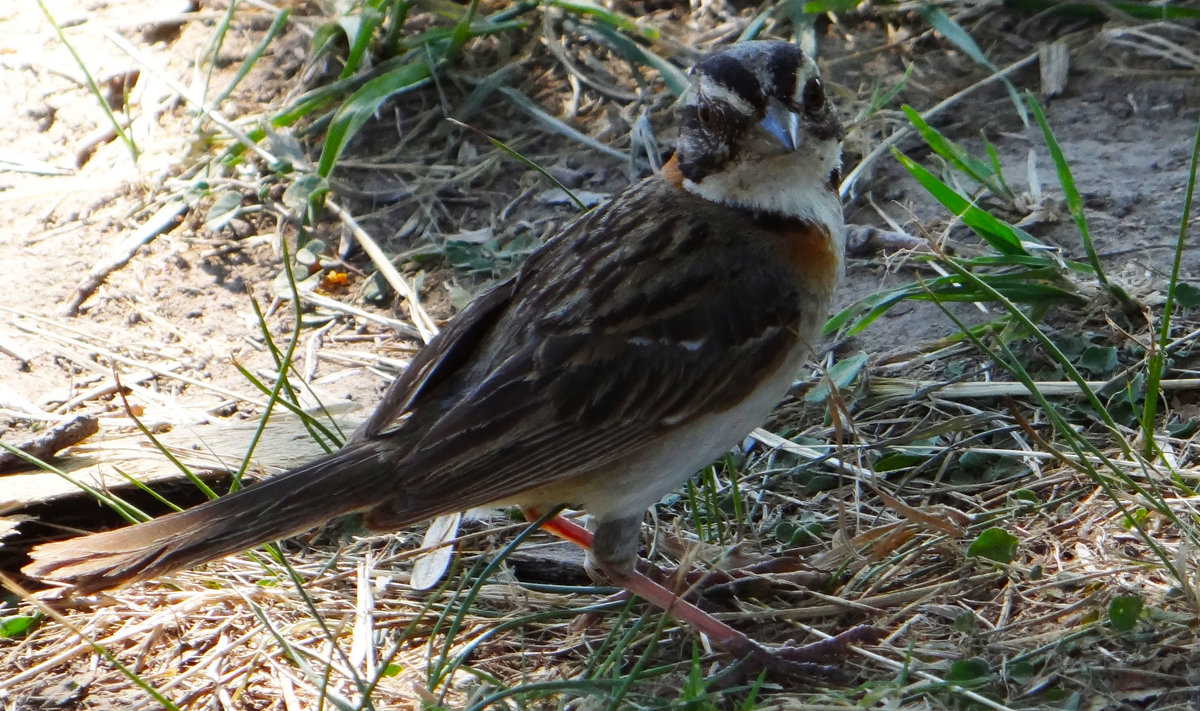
787, 659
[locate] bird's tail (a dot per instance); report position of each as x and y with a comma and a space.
343, 482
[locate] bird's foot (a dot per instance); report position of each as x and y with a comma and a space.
808, 661
762, 579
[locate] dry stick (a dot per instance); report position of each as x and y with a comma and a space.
424, 324
325, 302
887, 387
11, 349
881, 601
107, 387
774, 441
48, 443
160, 222
900, 135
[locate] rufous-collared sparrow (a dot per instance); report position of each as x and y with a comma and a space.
640, 344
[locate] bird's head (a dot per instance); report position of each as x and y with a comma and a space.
757, 130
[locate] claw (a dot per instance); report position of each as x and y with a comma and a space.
802, 661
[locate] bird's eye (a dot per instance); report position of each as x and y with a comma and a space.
814, 96
707, 116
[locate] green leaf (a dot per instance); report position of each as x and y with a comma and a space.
363, 104
794, 533
310, 254
964, 622
299, 195
18, 625
1137, 517
1025, 495
1124, 611
893, 461
994, 544
1183, 428
226, 207
1021, 672
1186, 295
840, 375
1100, 360
967, 671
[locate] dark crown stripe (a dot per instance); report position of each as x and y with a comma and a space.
783, 66
734, 76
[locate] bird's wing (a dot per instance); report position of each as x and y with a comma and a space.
442, 357
620, 331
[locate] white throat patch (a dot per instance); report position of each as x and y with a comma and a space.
792, 185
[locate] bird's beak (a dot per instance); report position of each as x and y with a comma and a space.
782, 123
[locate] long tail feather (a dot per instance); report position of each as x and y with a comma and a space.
343, 482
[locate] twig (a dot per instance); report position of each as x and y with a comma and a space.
424, 324
160, 222
889, 387
325, 302
157, 370
48, 443
7, 347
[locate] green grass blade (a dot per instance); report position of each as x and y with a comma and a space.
1092, 11
363, 104
816, 7
462, 30
523, 160
1004, 238
608, 17
444, 667
360, 29
558, 126
126, 510
1080, 445
213, 51
1074, 200
675, 78
255, 54
978, 171
954, 32
994, 159
1157, 361
91, 84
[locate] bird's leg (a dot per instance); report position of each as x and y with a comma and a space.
614, 548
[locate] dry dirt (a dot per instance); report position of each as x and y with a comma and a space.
69, 201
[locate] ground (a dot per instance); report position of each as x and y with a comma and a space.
178, 323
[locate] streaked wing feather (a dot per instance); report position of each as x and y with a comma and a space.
558, 397
439, 359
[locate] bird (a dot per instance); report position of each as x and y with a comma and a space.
631, 350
